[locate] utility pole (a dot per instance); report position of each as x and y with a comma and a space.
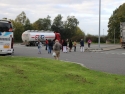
114, 36
99, 22
103, 32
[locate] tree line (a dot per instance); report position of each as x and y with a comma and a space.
68, 29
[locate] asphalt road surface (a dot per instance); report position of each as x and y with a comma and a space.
112, 61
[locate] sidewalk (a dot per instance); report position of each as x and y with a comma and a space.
103, 48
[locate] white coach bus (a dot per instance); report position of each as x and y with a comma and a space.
6, 37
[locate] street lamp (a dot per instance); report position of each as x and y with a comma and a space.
99, 21
114, 36
103, 32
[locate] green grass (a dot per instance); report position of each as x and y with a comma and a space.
24, 75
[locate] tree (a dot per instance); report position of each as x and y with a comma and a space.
28, 25
114, 22
37, 25
70, 26
21, 24
57, 24
79, 34
47, 23
21, 18
42, 24
18, 30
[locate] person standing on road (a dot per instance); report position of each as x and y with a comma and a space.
56, 48
39, 47
46, 43
74, 44
82, 45
50, 44
89, 43
70, 45
64, 45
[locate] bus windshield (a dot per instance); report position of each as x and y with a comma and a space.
4, 27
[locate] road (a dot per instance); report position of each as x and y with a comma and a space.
112, 61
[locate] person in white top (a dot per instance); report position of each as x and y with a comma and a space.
64, 45
39, 47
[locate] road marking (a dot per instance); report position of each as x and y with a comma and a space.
118, 54
101, 52
109, 53
74, 62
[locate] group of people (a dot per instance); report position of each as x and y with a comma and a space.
65, 45
68, 45
50, 45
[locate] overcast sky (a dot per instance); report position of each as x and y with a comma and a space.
86, 11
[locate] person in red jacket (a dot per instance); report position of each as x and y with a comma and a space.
46, 42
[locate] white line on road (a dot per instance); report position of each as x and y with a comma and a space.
74, 62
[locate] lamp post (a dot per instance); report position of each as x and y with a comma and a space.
99, 21
103, 32
114, 36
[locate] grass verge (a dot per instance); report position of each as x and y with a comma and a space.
24, 75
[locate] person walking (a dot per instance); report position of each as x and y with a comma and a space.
39, 47
50, 44
82, 45
70, 45
89, 43
64, 45
56, 48
74, 44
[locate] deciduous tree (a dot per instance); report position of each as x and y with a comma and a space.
70, 26
42, 24
21, 18
18, 30
114, 22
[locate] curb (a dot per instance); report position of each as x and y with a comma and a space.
101, 49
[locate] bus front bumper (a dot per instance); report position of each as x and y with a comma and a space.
9, 51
